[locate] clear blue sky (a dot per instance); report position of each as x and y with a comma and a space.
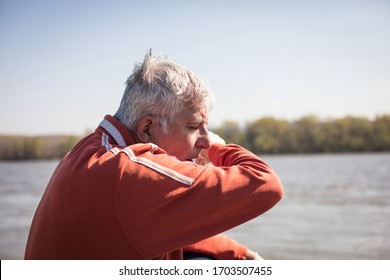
63, 64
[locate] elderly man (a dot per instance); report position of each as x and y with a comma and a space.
139, 186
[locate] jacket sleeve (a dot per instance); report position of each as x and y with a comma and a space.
220, 247
166, 204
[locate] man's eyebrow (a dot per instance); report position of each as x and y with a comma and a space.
198, 120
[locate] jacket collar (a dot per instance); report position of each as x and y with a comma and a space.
118, 131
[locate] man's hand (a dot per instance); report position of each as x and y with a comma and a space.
203, 157
252, 255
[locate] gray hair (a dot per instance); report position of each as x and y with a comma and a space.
161, 88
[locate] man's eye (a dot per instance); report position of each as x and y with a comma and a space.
196, 126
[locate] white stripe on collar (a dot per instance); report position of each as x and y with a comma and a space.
105, 142
113, 132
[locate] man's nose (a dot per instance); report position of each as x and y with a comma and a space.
204, 138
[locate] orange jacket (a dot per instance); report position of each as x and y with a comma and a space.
111, 198
219, 247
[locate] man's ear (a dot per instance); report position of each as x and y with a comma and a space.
145, 125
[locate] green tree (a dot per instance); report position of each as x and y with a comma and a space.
380, 137
231, 132
266, 135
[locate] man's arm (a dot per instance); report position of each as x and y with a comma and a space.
222, 247
238, 187
219, 247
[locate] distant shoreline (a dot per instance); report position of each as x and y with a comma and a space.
268, 135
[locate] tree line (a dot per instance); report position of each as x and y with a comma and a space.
310, 134
267, 135
35, 147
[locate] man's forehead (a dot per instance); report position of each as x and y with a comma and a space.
194, 115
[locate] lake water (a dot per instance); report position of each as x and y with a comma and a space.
335, 207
